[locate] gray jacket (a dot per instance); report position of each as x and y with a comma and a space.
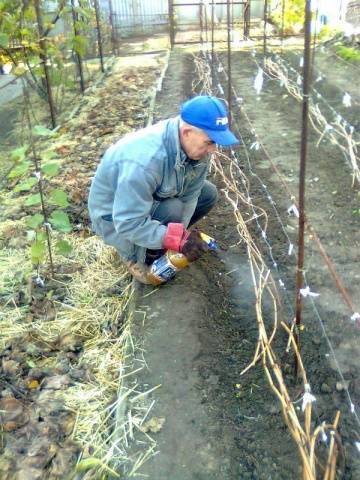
136, 173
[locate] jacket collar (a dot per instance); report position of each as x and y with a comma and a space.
172, 142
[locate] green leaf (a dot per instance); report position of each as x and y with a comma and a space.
56, 77
20, 169
50, 169
33, 200
48, 154
18, 154
18, 70
79, 45
60, 221
4, 40
63, 247
38, 251
26, 185
42, 131
58, 197
35, 220
41, 235
30, 363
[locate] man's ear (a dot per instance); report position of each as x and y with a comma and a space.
185, 131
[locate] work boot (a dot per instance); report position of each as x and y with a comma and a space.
139, 271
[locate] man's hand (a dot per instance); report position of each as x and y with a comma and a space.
179, 239
194, 246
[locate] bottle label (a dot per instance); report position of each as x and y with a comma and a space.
163, 269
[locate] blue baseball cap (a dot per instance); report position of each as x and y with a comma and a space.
210, 115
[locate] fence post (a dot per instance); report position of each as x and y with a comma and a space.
303, 153
247, 19
229, 92
44, 61
171, 23
78, 56
201, 22
212, 43
282, 23
265, 25
99, 39
113, 32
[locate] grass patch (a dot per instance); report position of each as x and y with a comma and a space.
348, 53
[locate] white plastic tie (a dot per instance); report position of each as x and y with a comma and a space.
355, 317
255, 146
263, 234
291, 249
301, 62
346, 100
319, 78
259, 80
220, 68
352, 129
39, 281
299, 80
357, 445
352, 408
281, 283
324, 437
306, 292
37, 175
307, 398
220, 89
293, 210
48, 225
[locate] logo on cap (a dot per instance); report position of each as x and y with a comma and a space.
222, 121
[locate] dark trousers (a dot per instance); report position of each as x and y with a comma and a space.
171, 209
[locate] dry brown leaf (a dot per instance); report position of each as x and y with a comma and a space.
153, 425
56, 382
10, 367
12, 414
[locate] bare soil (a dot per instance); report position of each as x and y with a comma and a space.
198, 332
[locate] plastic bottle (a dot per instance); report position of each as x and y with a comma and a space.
165, 268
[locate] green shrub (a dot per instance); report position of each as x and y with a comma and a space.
294, 15
327, 32
348, 53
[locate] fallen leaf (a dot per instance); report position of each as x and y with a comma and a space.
12, 414
57, 382
153, 425
10, 367
33, 384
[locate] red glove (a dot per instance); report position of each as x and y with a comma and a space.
181, 240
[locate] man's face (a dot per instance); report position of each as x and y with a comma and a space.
196, 144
